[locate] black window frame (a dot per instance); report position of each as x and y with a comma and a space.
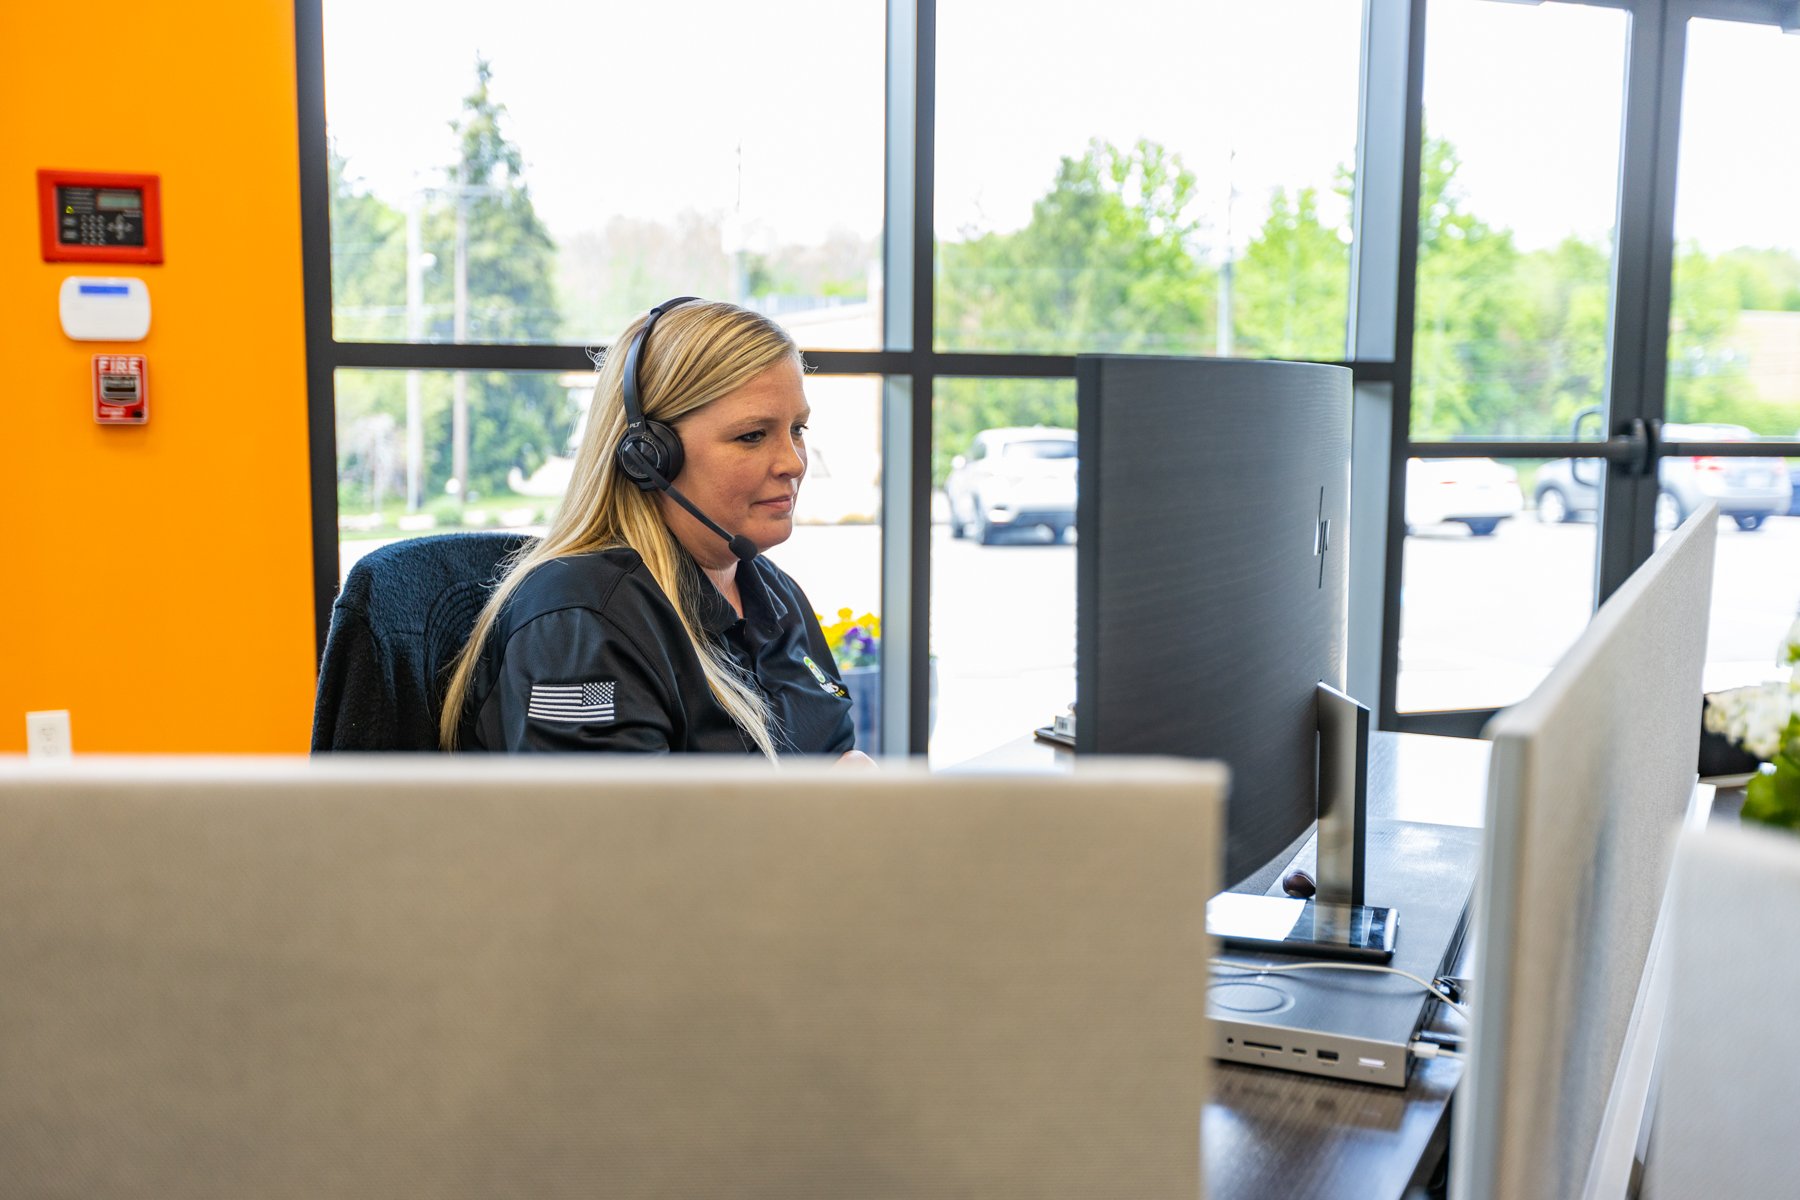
1379, 339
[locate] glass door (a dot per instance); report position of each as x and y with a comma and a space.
1731, 383
1607, 260
1519, 198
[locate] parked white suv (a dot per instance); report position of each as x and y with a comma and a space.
1013, 479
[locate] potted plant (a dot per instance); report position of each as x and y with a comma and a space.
1761, 725
855, 643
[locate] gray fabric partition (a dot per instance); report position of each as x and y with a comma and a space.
453, 978
1589, 780
1730, 1083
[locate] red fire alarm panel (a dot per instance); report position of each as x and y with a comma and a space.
99, 216
121, 389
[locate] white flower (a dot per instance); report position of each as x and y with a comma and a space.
1753, 717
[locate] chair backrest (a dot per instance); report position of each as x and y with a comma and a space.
404, 613
514, 976
1730, 1043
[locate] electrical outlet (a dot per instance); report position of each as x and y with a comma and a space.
47, 734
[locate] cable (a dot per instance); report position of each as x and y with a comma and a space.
1432, 1050
1261, 968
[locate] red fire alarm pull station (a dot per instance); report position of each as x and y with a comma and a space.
99, 216
121, 390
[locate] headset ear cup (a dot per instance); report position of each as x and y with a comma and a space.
656, 445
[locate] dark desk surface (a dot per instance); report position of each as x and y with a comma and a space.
1279, 1134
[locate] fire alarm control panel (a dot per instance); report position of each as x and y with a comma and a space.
121, 390
99, 216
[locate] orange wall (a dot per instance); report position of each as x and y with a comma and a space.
160, 579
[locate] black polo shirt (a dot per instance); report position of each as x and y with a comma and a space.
588, 654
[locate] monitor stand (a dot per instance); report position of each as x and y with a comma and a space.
1335, 922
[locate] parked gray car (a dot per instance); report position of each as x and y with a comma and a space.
1748, 490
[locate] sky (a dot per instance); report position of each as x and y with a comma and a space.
771, 113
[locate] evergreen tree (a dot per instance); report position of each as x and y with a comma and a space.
514, 419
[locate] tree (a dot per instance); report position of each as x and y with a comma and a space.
368, 259
1563, 294
1466, 343
1108, 262
1708, 379
517, 419
1291, 290
368, 302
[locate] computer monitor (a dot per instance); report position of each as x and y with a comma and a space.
600, 977
1590, 778
1212, 579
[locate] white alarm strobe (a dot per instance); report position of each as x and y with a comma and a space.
105, 310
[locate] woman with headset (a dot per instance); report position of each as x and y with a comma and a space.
646, 619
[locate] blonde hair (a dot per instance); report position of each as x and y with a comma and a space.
699, 352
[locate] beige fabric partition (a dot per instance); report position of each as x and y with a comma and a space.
457, 978
1730, 1079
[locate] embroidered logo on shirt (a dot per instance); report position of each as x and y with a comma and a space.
825, 681
572, 702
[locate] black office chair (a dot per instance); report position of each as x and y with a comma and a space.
403, 615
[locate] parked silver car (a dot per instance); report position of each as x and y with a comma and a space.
1749, 490
1013, 479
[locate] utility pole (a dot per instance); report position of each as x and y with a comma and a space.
1224, 343
459, 412
415, 332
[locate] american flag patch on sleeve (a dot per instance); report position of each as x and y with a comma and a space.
572, 702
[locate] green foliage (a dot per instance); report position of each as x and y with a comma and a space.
1774, 798
368, 260
1114, 258
1469, 354
1291, 291
1765, 280
1105, 264
515, 420
961, 408
1708, 379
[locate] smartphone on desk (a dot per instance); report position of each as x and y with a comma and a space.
1305, 928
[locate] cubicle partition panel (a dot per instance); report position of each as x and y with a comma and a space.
448, 978
1730, 1041
1589, 781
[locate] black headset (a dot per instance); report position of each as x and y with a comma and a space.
650, 452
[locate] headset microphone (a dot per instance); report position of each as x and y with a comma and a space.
650, 452
743, 547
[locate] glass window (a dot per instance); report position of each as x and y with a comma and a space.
398, 458
1514, 272
396, 475
544, 177
1002, 561
1150, 178
1499, 571
1734, 335
1734, 331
